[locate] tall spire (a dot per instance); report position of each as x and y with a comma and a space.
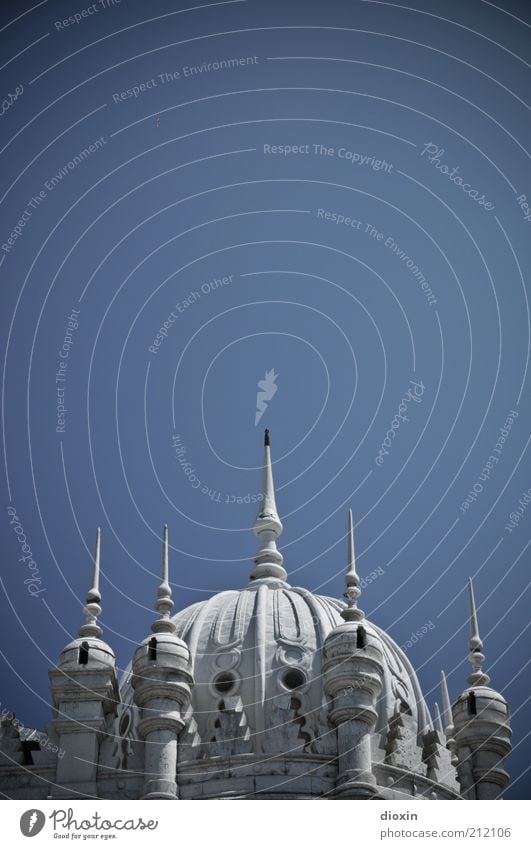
438, 721
92, 608
447, 710
267, 526
164, 602
448, 721
352, 581
478, 678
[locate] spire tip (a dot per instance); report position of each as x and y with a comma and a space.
267, 526
352, 581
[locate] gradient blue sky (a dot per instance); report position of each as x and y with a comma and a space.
180, 192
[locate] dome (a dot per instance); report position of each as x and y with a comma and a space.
265, 675
271, 692
259, 651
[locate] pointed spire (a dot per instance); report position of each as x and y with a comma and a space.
438, 722
267, 526
267, 513
92, 608
478, 678
164, 602
448, 721
447, 709
352, 581
475, 640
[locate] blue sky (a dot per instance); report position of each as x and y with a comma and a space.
342, 204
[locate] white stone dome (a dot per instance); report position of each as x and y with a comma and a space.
270, 692
86, 650
258, 651
261, 696
264, 644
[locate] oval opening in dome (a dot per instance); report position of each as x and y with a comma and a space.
224, 682
293, 678
124, 724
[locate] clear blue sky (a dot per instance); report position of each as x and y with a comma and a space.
340, 202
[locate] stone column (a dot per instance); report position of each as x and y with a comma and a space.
162, 682
353, 674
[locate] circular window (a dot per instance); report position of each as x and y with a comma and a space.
224, 682
293, 679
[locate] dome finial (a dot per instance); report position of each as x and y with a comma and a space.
267, 512
448, 721
352, 581
92, 608
267, 525
476, 656
164, 602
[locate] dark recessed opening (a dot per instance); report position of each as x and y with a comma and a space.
224, 682
361, 637
124, 724
152, 649
293, 678
471, 702
83, 653
27, 747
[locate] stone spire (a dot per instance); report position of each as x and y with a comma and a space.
162, 681
267, 526
438, 721
482, 727
448, 720
164, 603
352, 581
85, 695
478, 678
447, 710
353, 676
92, 608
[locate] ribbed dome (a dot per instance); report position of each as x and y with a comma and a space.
257, 663
260, 649
267, 692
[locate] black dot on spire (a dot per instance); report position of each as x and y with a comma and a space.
266, 437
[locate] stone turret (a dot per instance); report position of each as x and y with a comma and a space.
84, 690
162, 682
353, 677
482, 726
